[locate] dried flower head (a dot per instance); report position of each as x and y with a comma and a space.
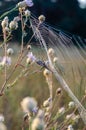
1, 118
29, 3
35, 110
55, 59
25, 3
51, 51
5, 22
27, 13
28, 104
16, 19
30, 58
71, 104
48, 109
69, 116
10, 51
6, 61
76, 118
2, 126
41, 18
70, 127
61, 110
46, 72
38, 124
21, 5
40, 114
58, 91
13, 25
28, 47
46, 103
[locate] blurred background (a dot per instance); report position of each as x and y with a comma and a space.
67, 15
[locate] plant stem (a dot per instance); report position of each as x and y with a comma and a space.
8, 12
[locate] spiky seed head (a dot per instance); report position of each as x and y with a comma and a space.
41, 18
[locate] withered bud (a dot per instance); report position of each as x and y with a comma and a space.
58, 91
28, 47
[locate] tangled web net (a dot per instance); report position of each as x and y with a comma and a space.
71, 53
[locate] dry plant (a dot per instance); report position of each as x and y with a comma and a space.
53, 46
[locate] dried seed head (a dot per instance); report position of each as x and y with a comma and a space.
22, 4
70, 127
51, 51
28, 47
40, 114
46, 103
2, 126
1, 118
47, 109
29, 3
58, 91
20, 10
5, 22
10, 51
6, 61
76, 118
27, 13
41, 18
28, 61
46, 72
25, 3
16, 19
28, 104
55, 59
38, 124
69, 116
61, 110
13, 25
71, 104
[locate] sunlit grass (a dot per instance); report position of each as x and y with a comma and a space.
35, 85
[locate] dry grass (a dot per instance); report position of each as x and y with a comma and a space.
35, 85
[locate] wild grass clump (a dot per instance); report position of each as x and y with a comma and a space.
26, 102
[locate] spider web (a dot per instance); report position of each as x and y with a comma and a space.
70, 69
